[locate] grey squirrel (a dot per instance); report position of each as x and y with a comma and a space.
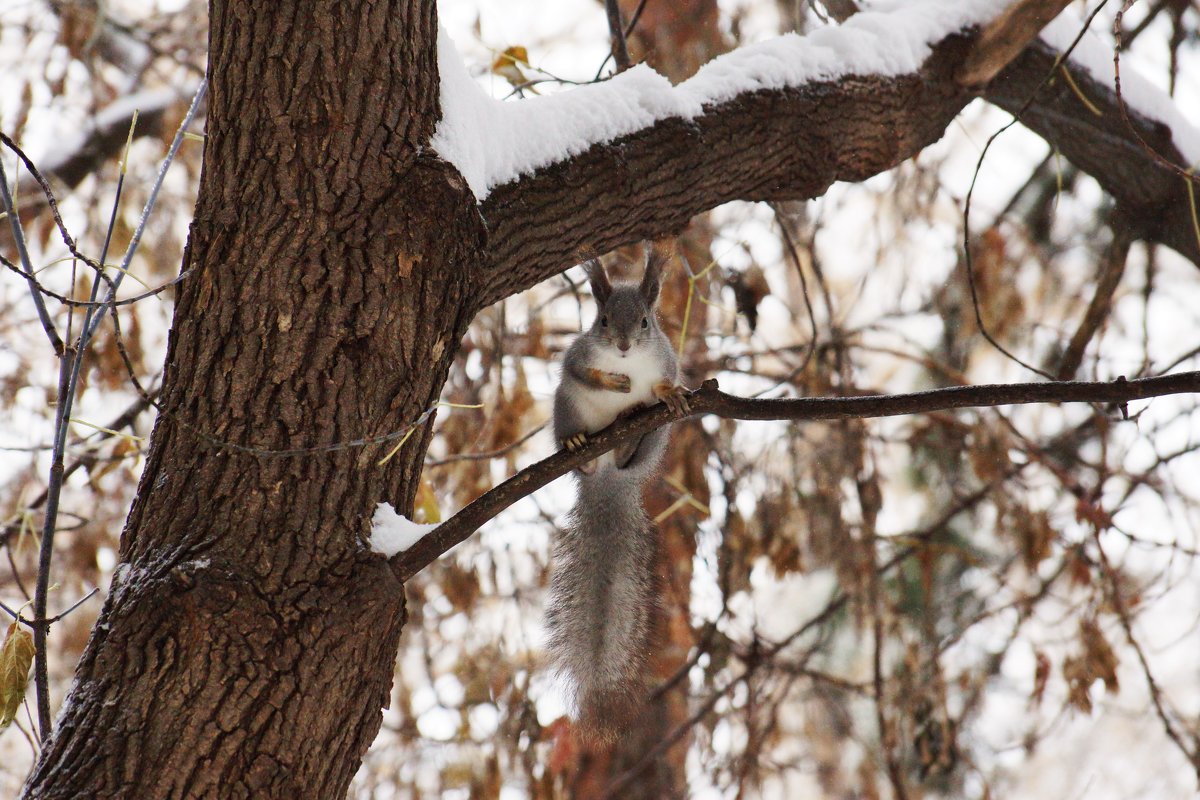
604, 590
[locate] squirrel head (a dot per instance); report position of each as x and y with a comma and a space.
626, 311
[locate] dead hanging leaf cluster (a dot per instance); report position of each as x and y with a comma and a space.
16, 657
1095, 662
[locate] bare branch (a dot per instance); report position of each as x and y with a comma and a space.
708, 399
1098, 310
39, 303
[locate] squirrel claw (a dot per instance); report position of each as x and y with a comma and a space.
573, 443
674, 397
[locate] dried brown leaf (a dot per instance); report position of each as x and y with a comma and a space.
461, 587
1041, 676
16, 656
1096, 662
1034, 537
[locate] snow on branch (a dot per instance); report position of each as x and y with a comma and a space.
1095, 56
78, 154
492, 142
1079, 114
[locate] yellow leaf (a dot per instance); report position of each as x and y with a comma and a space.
16, 656
516, 54
427, 503
508, 65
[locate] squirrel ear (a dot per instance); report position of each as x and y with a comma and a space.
661, 250
601, 288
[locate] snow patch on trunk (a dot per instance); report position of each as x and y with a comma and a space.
392, 533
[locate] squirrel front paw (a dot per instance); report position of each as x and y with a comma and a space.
613, 381
619, 383
674, 397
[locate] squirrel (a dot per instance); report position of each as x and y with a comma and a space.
604, 587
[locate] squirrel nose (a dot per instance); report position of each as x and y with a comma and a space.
623, 346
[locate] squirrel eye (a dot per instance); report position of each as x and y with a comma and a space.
604, 321
645, 324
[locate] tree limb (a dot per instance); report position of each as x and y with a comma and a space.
1152, 198
764, 145
708, 399
793, 143
1092, 134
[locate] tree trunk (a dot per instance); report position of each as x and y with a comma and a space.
248, 642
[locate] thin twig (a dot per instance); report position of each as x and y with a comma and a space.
967, 261
126, 418
34, 623
1118, 602
628, 30
23, 253
68, 301
41, 669
812, 318
123, 269
1115, 257
51, 202
886, 733
490, 454
616, 31
1186, 174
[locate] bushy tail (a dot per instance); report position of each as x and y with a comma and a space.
603, 602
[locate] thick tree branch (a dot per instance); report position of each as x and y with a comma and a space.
1092, 134
794, 143
1096, 139
765, 145
708, 399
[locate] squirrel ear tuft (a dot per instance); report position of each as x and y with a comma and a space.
598, 278
661, 251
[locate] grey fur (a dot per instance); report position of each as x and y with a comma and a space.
604, 590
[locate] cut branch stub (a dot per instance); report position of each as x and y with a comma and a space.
1005, 37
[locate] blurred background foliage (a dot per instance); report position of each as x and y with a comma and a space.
982, 603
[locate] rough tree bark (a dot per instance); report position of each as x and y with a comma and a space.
248, 643
247, 646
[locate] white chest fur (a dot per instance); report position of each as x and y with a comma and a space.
644, 369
